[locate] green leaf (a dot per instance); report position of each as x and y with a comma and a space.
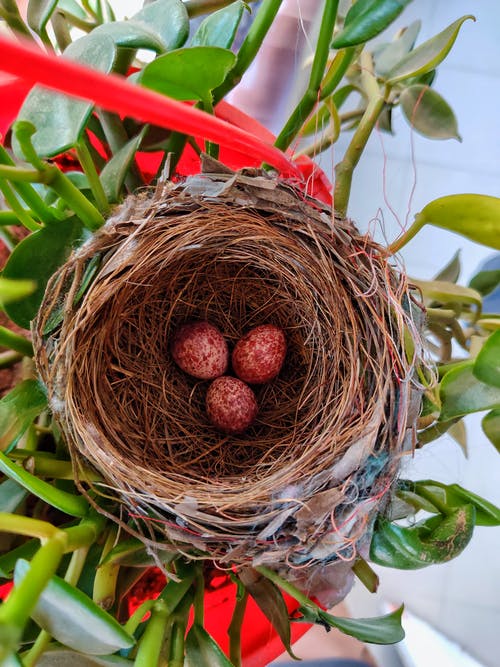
13, 290
444, 293
219, 28
12, 495
62, 657
477, 217
428, 55
429, 113
74, 619
188, 74
453, 496
387, 55
435, 540
366, 19
133, 553
65, 502
379, 630
116, 169
451, 272
18, 409
491, 427
485, 282
39, 13
131, 35
36, 258
462, 393
487, 363
61, 120
169, 19
203, 651
271, 602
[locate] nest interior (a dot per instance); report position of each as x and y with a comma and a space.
303, 483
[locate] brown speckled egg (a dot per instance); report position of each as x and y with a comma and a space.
199, 348
258, 356
231, 405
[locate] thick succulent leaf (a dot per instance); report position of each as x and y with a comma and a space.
13, 290
68, 503
436, 540
462, 393
271, 602
169, 19
485, 282
18, 408
61, 120
130, 34
115, 171
379, 630
453, 496
36, 258
74, 619
39, 13
477, 217
387, 55
366, 19
429, 113
12, 495
219, 28
491, 427
188, 74
450, 273
61, 657
487, 363
428, 55
203, 651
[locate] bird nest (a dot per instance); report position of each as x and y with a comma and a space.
303, 484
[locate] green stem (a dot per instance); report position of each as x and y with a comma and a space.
8, 238
8, 359
61, 30
19, 174
286, 586
250, 47
82, 207
366, 575
45, 466
23, 217
106, 575
135, 620
199, 596
15, 342
234, 631
24, 525
408, 235
90, 171
176, 658
10, 218
344, 169
28, 193
148, 653
77, 22
116, 136
200, 7
15, 612
9, 12
310, 97
337, 70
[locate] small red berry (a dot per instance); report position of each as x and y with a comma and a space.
258, 356
199, 349
231, 405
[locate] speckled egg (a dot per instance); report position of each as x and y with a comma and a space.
258, 356
231, 405
199, 349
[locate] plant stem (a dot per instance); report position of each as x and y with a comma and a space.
9, 12
61, 30
150, 646
16, 610
90, 171
15, 342
106, 575
285, 586
8, 359
408, 235
310, 97
199, 596
81, 206
250, 47
134, 621
24, 525
200, 7
365, 574
23, 217
234, 631
77, 22
336, 71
